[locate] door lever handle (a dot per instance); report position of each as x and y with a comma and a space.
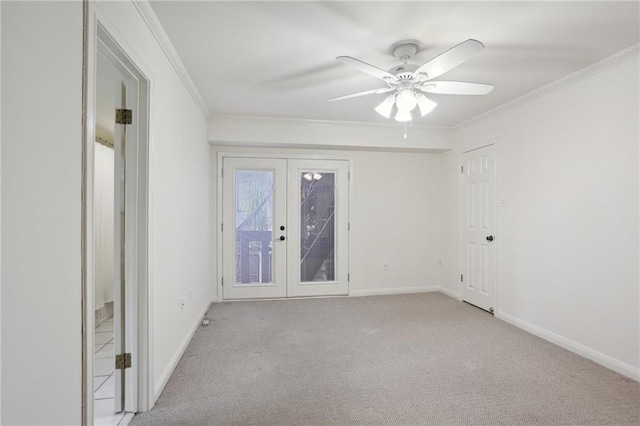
490, 238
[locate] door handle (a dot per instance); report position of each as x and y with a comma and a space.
281, 238
490, 238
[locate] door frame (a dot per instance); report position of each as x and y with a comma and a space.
101, 36
497, 215
217, 231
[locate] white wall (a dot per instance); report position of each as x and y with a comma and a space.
179, 195
394, 215
41, 145
41, 205
568, 233
449, 279
104, 224
0, 214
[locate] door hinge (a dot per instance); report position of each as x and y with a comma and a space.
222, 281
123, 361
349, 226
348, 277
124, 116
349, 175
221, 173
461, 278
461, 169
222, 227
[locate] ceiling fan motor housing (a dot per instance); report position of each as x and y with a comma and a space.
404, 71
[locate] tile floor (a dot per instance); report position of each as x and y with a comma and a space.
103, 379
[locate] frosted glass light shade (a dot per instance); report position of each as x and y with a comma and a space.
406, 100
403, 115
425, 104
384, 109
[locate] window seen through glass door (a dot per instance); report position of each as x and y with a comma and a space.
254, 226
317, 214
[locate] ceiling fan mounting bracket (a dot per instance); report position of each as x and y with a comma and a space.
405, 50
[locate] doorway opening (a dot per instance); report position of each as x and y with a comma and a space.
115, 328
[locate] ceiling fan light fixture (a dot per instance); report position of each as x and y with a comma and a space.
384, 109
426, 105
406, 100
403, 115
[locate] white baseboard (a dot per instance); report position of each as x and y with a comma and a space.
450, 293
173, 363
584, 351
394, 290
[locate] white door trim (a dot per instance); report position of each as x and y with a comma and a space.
461, 243
101, 35
217, 230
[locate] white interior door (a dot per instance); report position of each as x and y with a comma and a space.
284, 228
479, 253
120, 266
318, 228
254, 228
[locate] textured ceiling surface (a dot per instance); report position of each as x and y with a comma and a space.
277, 59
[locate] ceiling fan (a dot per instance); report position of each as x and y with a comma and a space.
408, 82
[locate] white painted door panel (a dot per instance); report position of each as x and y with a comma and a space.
121, 269
479, 273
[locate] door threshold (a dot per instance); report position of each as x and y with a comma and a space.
478, 307
285, 298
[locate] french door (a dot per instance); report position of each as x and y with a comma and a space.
284, 228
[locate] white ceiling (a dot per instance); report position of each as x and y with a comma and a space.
277, 59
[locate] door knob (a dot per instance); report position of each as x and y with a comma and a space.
490, 238
281, 238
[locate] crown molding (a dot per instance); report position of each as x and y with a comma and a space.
154, 25
611, 61
325, 123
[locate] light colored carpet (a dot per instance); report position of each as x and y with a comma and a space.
403, 359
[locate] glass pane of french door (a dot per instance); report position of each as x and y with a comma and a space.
317, 226
254, 221
318, 219
254, 226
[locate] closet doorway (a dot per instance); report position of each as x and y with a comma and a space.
116, 335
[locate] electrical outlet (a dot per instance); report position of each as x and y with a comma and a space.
385, 266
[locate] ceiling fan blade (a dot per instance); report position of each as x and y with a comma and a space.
450, 59
368, 68
455, 88
366, 92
